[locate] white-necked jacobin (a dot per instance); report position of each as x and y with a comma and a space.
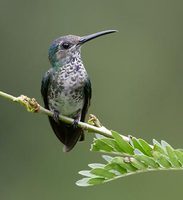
66, 87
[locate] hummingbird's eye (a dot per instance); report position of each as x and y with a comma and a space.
66, 45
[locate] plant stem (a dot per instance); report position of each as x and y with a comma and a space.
7, 96
33, 106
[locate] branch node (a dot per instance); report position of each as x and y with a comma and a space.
30, 103
94, 121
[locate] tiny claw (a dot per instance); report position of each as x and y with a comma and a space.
56, 116
75, 123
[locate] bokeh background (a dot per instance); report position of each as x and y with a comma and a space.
137, 79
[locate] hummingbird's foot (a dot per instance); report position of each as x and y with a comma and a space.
56, 114
75, 123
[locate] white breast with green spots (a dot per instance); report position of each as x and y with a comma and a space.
66, 91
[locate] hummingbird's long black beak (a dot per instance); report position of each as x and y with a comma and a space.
95, 35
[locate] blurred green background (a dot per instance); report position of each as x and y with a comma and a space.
137, 79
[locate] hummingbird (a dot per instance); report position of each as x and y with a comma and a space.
66, 87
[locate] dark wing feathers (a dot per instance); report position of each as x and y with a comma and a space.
44, 87
87, 95
67, 134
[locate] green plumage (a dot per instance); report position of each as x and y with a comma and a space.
66, 87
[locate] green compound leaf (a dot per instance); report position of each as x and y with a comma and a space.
129, 157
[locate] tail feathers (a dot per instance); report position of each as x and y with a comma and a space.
68, 135
82, 138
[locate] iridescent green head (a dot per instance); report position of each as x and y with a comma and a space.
63, 49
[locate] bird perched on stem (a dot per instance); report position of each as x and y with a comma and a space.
66, 87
